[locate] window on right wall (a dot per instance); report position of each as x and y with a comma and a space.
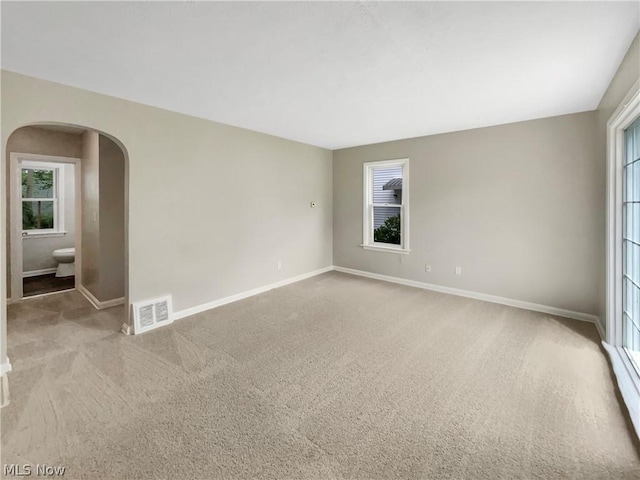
386, 206
631, 243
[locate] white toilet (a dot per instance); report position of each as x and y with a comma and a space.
65, 258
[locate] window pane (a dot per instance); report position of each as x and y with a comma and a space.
635, 264
632, 172
628, 183
37, 183
634, 224
627, 256
634, 301
387, 185
628, 331
386, 225
631, 211
634, 194
627, 295
37, 215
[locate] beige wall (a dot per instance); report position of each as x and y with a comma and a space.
103, 214
628, 73
111, 215
212, 208
513, 205
90, 212
41, 142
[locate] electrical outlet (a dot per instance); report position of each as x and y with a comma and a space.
279, 265
427, 268
458, 270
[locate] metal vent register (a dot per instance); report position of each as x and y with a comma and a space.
150, 314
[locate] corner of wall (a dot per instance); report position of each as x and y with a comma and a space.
5, 368
4, 391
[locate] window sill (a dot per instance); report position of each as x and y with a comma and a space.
44, 234
401, 251
628, 382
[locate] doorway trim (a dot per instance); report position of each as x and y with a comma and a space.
627, 376
16, 211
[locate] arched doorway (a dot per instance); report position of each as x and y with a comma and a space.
88, 228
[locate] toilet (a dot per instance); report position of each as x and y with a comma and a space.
65, 257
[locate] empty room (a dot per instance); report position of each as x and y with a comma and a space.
320, 240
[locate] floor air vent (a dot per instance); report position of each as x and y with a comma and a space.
150, 314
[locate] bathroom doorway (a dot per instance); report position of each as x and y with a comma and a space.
47, 215
66, 214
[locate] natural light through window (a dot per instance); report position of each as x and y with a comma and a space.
40, 199
386, 206
631, 239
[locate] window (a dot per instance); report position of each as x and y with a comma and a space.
41, 200
623, 249
631, 243
386, 206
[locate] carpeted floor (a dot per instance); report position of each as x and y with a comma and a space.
333, 377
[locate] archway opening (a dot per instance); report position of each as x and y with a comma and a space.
67, 216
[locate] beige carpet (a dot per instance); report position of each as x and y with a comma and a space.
333, 377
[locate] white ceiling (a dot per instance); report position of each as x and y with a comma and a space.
330, 74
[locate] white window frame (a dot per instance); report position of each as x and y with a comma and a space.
626, 374
367, 212
58, 198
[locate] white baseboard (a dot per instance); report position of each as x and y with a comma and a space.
586, 317
99, 305
628, 386
5, 367
600, 328
35, 273
249, 293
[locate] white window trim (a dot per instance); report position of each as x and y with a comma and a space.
44, 233
367, 208
58, 199
627, 376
